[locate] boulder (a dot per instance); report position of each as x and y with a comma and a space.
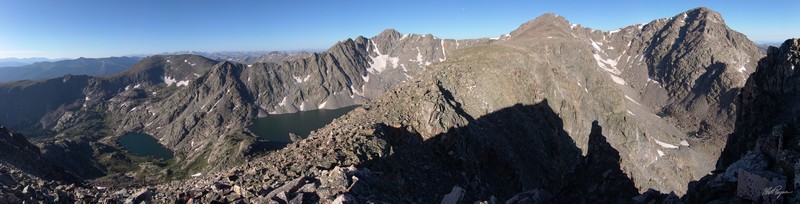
144, 195
344, 199
294, 137
760, 185
454, 196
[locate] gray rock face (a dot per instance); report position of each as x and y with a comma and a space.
222, 102
762, 151
665, 75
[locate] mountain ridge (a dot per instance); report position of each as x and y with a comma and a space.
80, 66
436, 89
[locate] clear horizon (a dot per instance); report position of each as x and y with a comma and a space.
87, 28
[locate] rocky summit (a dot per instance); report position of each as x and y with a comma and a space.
552, 112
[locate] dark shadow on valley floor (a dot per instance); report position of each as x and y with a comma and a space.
521, 151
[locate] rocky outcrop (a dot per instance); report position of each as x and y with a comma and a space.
16, 152
760, 160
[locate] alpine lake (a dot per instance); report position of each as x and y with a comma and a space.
276, 128
144, 145
273, 128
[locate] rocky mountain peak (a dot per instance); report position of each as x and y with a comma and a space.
703, 13
389, 33
543, 25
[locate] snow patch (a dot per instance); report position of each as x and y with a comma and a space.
137, 86
613, 31
596, 45
629, 112
665, 145
630, 99
215, 105
617, 79
609, 65
169, 80
355, 91
742, 69
660, 153
684, 143
549, 37
302, 106
249, 65
573, 26
307, 77
365, 77
297, 79
197, 174
419, 57
322, 105
381, 61
182, 83
283, 102
443, 52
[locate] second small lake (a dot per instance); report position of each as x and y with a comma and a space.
144, 145
276, 128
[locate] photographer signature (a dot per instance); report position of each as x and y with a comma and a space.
774, 190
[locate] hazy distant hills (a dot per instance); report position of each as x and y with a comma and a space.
249, 57
15, 62
80, 66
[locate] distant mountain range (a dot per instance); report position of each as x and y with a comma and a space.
14, 69
80, 66
250, 57
14, 62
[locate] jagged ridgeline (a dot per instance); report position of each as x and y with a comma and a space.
189, 102
503, 118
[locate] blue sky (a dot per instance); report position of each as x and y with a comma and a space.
100, 28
